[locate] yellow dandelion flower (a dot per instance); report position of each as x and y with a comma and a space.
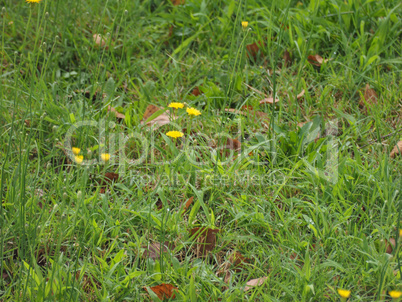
75, 150
244, 24
395, 294
79, 158
105, 157
176, 105
33, 1
400, 233
344, 293
193, 111
175, 134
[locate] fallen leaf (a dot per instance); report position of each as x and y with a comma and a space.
316, 60
301, 94
188, 204
389, 245
109, 177
260, 115
254, 282
151, 109
164, 291
247, 108
160, 120
396, 150
233, 144
196, 91
178, 2
370, 97
99, 41
254, 51
269, 101
154, 249
231, 110
206, 240
287, 59
237, 261
118, 114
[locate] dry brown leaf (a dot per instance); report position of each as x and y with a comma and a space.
389, 245
253, 50
188, 204
370, 97
206, 240
237, 261
154, 249
255, 282
316, 60
99, 40
118, 114
301, 94
233, 144
151, 109
196, 91
269, 101
231, 110
164, 291
160, 120
109, 177
260, 115
287, 59
178, 2
396, 150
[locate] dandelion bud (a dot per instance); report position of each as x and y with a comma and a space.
56, 38
64, 195
47, 15
48, 166
44, 44
79, 194
126, 12
3, 10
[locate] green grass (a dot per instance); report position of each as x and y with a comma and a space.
66, 236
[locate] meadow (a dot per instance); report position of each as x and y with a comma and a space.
188, 150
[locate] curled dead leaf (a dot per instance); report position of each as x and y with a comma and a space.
396, 150
155, 250
206, 240
99, 40
178, 2
316, 60
269, 100
196, 91
301, 94
369, 98
238, 261
164, 291
158, 121
253, 50
254, 282
233, 144
118, 114
389, 245
188, 204
287, 59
